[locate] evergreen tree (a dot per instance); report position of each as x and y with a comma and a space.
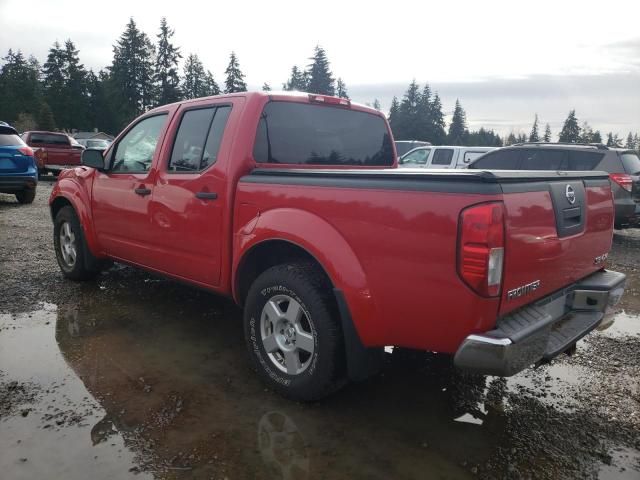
54, 82
320, 78
266, 87
438, 125
76, 90
458, 128
586, 133
376, 104
235, 78
101, 111
19, 86
534, 136
511, 139
297, 81
610, 139
409, 124
630, 143
196, 82
596, 137
547, 133
341, 89
394, 113
45, 118
131, 74
570, 132
484, 138
166, 66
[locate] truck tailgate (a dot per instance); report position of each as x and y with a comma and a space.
558, 230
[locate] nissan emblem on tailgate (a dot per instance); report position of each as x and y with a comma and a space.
570, 194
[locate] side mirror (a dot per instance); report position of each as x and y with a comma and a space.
92, 158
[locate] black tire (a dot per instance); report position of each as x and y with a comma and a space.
85, 266
27, 195
306, 284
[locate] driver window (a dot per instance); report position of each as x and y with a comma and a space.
134, 153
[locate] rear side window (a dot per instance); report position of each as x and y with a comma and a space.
499, 160
584, 160
631, 163
300, 133
198, 140
10, 140
544, 159
442, 156
48, 138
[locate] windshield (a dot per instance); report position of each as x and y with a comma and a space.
631, 163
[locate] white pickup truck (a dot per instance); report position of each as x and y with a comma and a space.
441, 156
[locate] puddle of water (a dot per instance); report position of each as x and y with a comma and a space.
161, 379
624, 456
56, 437
624, 325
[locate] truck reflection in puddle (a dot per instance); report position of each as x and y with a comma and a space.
169, 367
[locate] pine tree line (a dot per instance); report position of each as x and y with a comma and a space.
62, 94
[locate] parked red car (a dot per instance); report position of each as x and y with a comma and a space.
53, 151
293, 205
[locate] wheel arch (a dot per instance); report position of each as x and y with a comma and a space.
282, 235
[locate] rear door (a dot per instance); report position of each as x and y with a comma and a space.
57, 146
443, 158
189, 195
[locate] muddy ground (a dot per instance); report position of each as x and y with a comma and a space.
136, 376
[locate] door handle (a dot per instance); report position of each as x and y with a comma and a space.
142, 191
206, 195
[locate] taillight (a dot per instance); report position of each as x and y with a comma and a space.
26, 151
481, 248
623, 180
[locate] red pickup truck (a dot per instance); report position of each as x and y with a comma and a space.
53, 151
292, 204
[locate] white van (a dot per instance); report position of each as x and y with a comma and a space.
442, 156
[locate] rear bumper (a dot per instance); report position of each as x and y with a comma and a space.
542, 330
17, 183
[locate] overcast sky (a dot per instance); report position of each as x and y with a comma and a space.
505, 60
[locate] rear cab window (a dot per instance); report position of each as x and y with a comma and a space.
631, 163
307, 134
49, 139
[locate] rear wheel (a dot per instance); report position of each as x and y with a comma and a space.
74, 258
26, 196
293, 332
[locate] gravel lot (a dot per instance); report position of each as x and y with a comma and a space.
136, 376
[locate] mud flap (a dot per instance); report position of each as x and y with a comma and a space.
362, 362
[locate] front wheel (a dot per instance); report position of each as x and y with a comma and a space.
293, 332
74, 258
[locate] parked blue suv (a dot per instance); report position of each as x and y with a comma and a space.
18, 169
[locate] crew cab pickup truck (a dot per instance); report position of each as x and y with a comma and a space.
53, 151
292, 204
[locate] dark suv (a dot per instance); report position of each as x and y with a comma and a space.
622, 165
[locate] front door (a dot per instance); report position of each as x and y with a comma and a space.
188, 201
121, 196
